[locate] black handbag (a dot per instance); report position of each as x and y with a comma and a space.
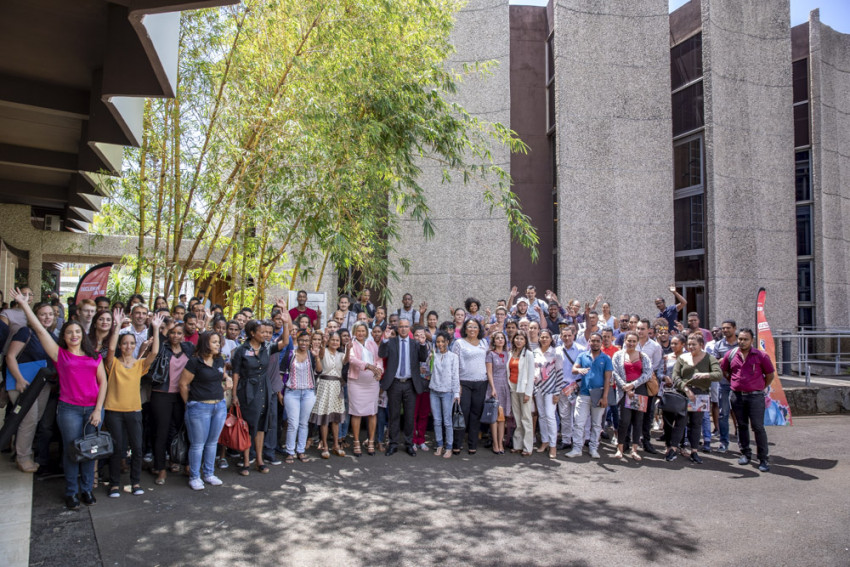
160, 369
491, 411
98, 445
179, 449
674, 402
458, 422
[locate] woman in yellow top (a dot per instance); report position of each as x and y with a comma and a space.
123, 403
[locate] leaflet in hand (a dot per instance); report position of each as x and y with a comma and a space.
702, 402
636, 403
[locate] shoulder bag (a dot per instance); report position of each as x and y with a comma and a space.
159, 370
674, 402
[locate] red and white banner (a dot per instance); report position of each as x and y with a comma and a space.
93, 283
776, 409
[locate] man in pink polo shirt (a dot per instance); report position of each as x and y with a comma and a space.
749, 372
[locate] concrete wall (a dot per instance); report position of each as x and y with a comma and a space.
470, 254
749, 156
829, 65
614, 157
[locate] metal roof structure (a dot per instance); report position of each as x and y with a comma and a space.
73, 79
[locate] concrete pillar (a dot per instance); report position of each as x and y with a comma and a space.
749, 158
614, 167
34, 276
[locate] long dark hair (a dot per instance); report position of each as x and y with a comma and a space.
523, 334
85, 343
93, 329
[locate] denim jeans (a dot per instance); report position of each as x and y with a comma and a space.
383, 419
723, 425
441, 408
299, 404
706, 429
72, 420
203, 425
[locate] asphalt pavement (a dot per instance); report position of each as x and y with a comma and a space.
478, 510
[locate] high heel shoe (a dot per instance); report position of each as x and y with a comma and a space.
370, 448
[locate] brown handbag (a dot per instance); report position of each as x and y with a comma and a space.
652, 387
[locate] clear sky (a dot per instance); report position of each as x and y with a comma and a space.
834, 13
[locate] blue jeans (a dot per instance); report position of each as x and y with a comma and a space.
72, 420
383, 419
203, 425
723, 425
299, 404
441, 408
706, 429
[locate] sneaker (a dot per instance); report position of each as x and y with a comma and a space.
656, 426
696, 458
138, 491
763, 466
614, 439
594, 454
251, 460
723, 448
213, 480
223, 464
423, 446
196, 484
272, 459
148, 458
706, 449
114, 492
744, 460
575, 452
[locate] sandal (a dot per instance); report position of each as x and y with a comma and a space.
553, 454
370, 448
290, 459
303, 458
635, 456
243, 470
619, 455
357, 451
526, 453
340, 452
326, 455
263, 469
447, 455
175, 468
472, 451
455, 451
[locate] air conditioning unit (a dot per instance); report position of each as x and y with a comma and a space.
52, 222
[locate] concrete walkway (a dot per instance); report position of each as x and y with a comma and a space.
15, 523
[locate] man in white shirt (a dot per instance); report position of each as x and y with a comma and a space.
138, 326
569, 351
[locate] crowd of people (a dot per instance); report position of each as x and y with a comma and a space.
530, 371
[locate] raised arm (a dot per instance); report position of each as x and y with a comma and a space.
157, 325
681, 301
47, 343
117, 318
283, 341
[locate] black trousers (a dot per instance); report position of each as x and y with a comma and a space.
674, 428
44, 433
401, 395
631, 422
749, 411
168, 412
125, 426
270, 440
472, 396
648, 417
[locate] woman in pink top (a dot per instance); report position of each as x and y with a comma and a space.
632, 370
82, 390
365, 369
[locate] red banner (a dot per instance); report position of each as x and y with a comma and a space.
93, 283
776, 409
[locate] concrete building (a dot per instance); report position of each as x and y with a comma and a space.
661, 147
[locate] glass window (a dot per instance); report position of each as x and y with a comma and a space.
689, 223
690, 268
804, 281
686, 62
687, 109
804, 230
801, 125
550, 58
800, 74
806, 316
804, 177
687, 163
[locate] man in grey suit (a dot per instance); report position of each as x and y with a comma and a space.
402, 382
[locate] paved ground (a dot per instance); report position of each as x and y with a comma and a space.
481, 510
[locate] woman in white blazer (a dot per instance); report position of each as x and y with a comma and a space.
521, 383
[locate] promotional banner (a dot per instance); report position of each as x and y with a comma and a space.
776, 410
93, 283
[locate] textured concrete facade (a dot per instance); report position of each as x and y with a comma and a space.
829, 65
614, 166
470, 252
749, 141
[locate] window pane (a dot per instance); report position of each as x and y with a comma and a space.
800, 74
550, 58
804, 281
690, 268
804, 177
687, 109
689, 223
686, 62
801, 125
687, 164
806, 316
804, 230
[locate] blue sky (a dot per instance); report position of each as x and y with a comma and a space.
834, 13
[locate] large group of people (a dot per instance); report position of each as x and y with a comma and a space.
368, 378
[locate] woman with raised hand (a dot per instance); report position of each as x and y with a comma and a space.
123, 402
329, 408
167, 406
252, 384
632, 370
82, 390
497, 374
548, 381
521, 383
202, 392
444, 393
365, 369
25, 347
